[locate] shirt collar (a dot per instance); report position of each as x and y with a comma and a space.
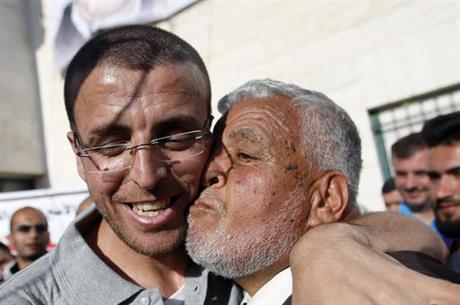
275, 292
91, 279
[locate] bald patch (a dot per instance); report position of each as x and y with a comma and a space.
27, 210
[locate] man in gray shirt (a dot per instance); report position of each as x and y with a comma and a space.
29, 236
138, 103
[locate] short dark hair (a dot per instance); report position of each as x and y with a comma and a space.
389, 185
137, 47
443, 129
408, 146
4, 248
25, 209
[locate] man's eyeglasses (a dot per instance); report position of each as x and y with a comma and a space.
40, 228
170, 149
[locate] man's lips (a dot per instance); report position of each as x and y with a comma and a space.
200, 204
415, 192
206, 204
150, 208
149, 214
447, 204
33, 246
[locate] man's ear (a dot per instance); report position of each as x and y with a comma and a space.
10, 239
329, 199
47, 236
81, 170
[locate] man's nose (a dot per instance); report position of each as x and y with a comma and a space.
445, 188
214, 178
147, 168
217, 169
411, 182
33, 233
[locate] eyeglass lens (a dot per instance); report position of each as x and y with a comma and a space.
178, 147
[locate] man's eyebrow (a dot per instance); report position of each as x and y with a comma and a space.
103, 131
453, 170
245, 134
186, 122
180, 122
433, 174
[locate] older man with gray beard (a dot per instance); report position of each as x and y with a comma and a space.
288, 160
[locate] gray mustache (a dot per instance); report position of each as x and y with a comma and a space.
211, 199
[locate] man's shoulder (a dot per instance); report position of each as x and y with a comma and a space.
30, 284
10, 269
46, 280
405, 210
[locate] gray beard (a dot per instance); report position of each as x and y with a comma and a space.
249, 250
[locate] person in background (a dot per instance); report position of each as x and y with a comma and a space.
85, 204
391, 196
5, 258
410, 156
28, 236
442, 134
270, 181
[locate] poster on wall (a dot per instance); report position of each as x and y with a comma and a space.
59, 206
72, 22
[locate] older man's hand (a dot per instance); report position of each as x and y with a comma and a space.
335, 264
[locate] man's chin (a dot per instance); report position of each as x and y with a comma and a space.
450, 229
418, 207
153, 243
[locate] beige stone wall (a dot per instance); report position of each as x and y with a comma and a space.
21, 146
361, 53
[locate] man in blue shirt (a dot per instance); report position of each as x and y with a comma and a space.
442, 134
410, 156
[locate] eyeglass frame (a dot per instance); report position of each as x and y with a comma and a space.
156, 141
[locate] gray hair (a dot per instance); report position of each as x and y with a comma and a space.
329, 136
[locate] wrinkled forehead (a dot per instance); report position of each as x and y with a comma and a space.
112, 94
271, 122
275, 111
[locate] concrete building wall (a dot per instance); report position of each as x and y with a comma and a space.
361, 54
21, 148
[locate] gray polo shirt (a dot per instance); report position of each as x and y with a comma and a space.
74, 274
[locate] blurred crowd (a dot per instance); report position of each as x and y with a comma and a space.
426, 184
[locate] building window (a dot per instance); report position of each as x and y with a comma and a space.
10, 185
398, 119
